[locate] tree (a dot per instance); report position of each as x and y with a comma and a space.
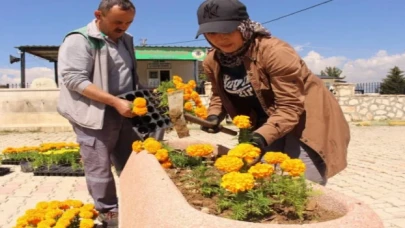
394, 83
332, 72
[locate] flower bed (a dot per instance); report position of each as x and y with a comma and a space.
59, 214
173, 196
44, 156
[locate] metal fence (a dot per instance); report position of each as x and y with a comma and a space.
367, 87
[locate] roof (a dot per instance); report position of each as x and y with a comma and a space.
50, 53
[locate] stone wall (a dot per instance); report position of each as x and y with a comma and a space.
369, 107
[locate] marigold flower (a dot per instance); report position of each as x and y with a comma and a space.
188, 106
294, 167
152, 146
63, 222
170, 90
275, 157
140, 102
195, 95
242, 121
140, 111
177, 78
261, 170
192, 84
167, 164
86, 214
86, 223
245, 150
46, 223
201, 112
88, 206
137, 146
228, 163
42, 205
199, 150
162, 155
238, 182
186, 96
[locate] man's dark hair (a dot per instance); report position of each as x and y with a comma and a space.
106, 5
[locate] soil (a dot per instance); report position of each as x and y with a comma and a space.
312, 214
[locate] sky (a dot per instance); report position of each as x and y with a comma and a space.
364, 38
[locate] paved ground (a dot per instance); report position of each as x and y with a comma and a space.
376, 174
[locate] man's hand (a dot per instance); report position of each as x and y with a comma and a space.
123, 107
215, 120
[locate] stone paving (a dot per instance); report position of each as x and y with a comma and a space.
375, 174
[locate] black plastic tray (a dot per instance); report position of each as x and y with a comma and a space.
4, 171
56, 170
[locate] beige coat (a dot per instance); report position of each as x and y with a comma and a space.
296, 100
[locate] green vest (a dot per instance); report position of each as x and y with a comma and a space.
94, 42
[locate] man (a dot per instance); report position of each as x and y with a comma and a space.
97, 63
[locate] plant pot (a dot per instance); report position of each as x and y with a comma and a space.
26, 167
149, 198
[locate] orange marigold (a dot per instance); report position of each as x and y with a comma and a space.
188, 106
140, 102
162, 155
199, 150
167, 164
237, 182
261, 170
275, 157
228, 163
201, 112
152, 145
140, 111
242, 121
294, 167
170, 90
137, 146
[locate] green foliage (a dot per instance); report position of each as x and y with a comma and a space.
207, 179
332, 72
162, 90
394, 83
181, 160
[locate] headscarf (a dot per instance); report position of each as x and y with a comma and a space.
249, 30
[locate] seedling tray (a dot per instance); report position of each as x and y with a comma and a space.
10, 162
4, 171
57, 170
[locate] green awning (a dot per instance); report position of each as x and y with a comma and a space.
172, 53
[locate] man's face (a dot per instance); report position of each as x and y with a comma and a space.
115, 22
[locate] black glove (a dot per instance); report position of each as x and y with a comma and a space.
215, 120
259, 142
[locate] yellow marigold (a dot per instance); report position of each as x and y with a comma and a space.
275, 157
42, 224
86, 223
177, 78
238, 182
170, 90
195, 95
162, 155
167, 164
137, 146
192, 84
63, 222
186, 96
244, 150
64, 206
88, 206
140, 102
52, 214
294, 167
86, 214
228, 163
140, 111
42, 205
35, 218
261, 170
242, 121
152, 146
199, 150
188, 106
47, 223
201, 112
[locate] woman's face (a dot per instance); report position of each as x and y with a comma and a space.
226, 42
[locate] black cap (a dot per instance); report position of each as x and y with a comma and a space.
220, 16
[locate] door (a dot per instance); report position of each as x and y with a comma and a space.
153, 80
164, 75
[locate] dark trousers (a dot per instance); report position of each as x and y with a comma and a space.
293, 147
100, 149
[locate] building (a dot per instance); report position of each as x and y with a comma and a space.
155, 63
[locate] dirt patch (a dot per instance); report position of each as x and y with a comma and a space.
192, 193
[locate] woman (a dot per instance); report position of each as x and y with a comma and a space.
255, 74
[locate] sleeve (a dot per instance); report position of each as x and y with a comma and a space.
75, 62
284, 68
215, 106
